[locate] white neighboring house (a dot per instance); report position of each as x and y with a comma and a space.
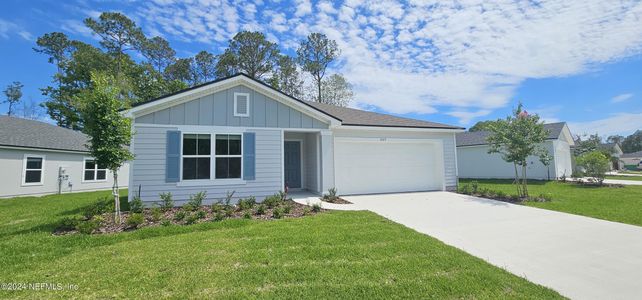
37, 158
475, 162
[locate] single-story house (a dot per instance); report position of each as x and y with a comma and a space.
632, 161
616, 152
474, 161
37, 158
238, 134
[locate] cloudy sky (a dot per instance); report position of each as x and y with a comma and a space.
459, 62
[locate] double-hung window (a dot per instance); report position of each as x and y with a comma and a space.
93, 171
33, 168
228, 156
196, 156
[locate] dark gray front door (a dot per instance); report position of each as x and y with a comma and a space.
292, 165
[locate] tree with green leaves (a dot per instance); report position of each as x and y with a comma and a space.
13, 93
108, 130
615, 139
516, 138
587, 143
248, 52
482, 126
633, 142
594, 164
315, 55
181, 70
158, 53
204, 66
336, 90
286, 77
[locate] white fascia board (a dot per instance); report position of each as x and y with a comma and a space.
390, 128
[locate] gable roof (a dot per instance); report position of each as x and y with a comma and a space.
24, 133
632, 155
479, 137
346, 116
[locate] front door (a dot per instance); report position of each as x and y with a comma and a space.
292, 165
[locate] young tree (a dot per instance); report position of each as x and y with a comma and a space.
13, 93
336, 90
250, 53
108, 130
595, 164
158, 53
204, 66
286, 77
516, 138
314, 55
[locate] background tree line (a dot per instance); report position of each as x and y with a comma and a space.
161, 72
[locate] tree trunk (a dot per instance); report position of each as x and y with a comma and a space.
517, 184
524, 183
116, 194
319, 90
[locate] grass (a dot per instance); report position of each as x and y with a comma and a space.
619, 204
330, 255
620, 177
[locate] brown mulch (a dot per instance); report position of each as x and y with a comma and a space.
168, 217
338, 200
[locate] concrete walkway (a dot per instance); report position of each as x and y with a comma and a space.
616, 181
310, 199
580, 257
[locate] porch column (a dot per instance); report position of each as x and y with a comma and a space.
327, 160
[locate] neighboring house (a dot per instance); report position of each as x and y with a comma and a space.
240, 135
37, 158
632, 161
616, 152
473, 160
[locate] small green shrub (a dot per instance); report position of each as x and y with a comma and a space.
157, 214
501, 195
287, 208
136, 205
201, 214
465, 189
191, 219
189, 207
260, 210
134, 220
87, 227
167, 202
247, 203
229, 211
180, 215
307, 210
316, 207
69, 223
228, 198
546, 197
247, 215
474, 187
219, 216
216, 207
166, 222
196, 200
331, 196
272, 201
277, 213
101, 206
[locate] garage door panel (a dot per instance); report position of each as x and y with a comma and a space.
379, 167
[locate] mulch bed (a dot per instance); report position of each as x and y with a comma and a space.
338, 200
168, 217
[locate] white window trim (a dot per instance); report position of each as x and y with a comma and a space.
236, 100
212, 181
82, 177
24, 170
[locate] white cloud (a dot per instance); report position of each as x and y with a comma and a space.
9, 28
303, 7
621, 98
621, 123
466, 117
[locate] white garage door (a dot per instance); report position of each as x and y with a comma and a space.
366, 166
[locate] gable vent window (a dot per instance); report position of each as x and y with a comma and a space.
241, 104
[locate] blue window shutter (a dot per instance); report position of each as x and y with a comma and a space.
173, 158
249, 155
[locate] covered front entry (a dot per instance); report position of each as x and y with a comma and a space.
301, 161
379, 165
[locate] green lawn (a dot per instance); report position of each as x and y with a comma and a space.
619, 204
620, 177
330, 255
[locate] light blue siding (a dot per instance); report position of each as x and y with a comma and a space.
218, 110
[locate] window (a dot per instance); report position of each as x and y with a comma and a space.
228, 156
196, 156
93, 171
33, 169
241, 104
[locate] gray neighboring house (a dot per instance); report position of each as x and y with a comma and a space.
616, 152
632, 161
475, 162
239, 134
37, 158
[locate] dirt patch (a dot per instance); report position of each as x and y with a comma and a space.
337, 200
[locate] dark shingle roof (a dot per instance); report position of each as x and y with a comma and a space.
479, 137
17, 132
356, 117
632, 155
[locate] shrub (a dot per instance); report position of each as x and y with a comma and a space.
136, 205
166, 222
219, 216
331, 196
546, 197
228, 198
87, 227
216, 207
69, 223
189, 207
474, 187
277, 213
307, 210
287, 208
247, 203
201, 214
316, 207
595, 164
191, 219
180, 215
465, 189
501, 195
229, 211
196, 200
134, 220
272, 201
260, 210
167, 202
101, 206
157, 214
247, 215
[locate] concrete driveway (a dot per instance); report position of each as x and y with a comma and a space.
580, 257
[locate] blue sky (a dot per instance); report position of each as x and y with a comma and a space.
577, 61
